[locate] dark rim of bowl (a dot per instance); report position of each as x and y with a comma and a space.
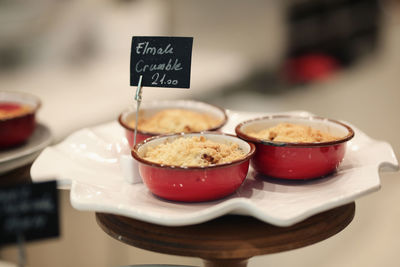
248, 156
34, 108
246, 137
219, 126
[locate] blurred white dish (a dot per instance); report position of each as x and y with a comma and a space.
19, 156
88, 163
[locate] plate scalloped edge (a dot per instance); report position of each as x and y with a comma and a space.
232, 205
275, 203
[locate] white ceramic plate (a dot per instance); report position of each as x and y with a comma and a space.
18, 156
88, 163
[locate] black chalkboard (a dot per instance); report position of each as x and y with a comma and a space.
162, 61
30, 211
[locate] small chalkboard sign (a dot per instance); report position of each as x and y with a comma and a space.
161, 61
29, 211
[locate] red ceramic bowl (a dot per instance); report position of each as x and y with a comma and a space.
148, 109
16, 129
193, 184
296, 160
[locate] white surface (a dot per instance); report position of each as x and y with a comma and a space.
18, 156
129, 169
88, 160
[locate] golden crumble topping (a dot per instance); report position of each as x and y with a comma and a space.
292, 133
176, 121
194, 151
10, 110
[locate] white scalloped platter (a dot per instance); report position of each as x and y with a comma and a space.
88, 162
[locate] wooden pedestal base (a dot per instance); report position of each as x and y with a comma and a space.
229, 240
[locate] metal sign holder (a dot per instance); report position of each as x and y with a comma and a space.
138, 98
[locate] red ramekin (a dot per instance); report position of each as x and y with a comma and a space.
193, 184
148, 109
296, 160
17, 129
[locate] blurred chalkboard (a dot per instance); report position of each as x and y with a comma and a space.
162, 61
30, 211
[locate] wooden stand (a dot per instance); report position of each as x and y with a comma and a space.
17, 176
229, 240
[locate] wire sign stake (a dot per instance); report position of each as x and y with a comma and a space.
138, 98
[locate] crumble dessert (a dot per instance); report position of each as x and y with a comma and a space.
176, 121
10, 110
194, 151
293, 133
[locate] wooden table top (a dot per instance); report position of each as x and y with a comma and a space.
230, 237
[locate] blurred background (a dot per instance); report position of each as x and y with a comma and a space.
334, 58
